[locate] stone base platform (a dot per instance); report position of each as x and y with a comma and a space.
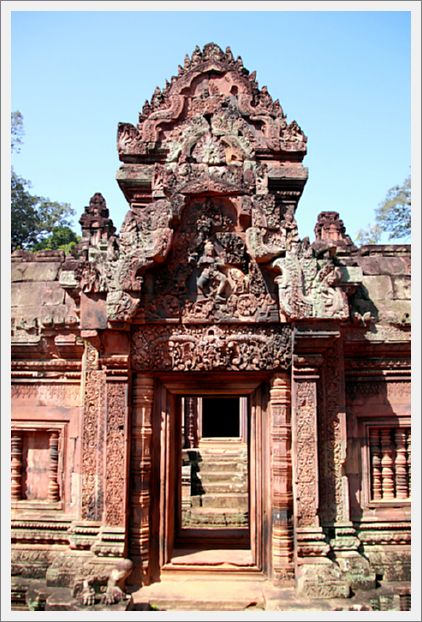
204, 591
249, 593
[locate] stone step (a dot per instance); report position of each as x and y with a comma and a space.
228, 485
218, 476
206, 594
214, 517
224, 453
220, 465
221, 500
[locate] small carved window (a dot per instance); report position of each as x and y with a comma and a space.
35, 466
390, 469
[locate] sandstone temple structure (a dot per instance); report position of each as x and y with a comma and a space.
204, 393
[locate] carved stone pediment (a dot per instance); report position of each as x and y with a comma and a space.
213, 175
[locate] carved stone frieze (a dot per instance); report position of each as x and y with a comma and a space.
44, 393
201, 348
387, 389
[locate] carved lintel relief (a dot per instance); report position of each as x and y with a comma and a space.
201, 348
141, 464
281, 472
92, 437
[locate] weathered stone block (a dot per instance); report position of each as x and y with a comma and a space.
35, 271
68, 279
351, 274
379, 264
42, 294
93, 312
395, 311
321, 580
379, 287
402, 287
392, 563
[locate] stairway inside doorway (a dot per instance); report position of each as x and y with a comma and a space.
212, 530
216, 481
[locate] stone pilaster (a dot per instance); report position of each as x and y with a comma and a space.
141, 474
316, 575
335, 489
113, 537
281, 473
105, 452
92, 436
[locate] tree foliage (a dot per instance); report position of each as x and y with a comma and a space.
17, 131
61, 238
393, 216
37, 223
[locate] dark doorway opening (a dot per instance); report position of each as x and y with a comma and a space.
220, 417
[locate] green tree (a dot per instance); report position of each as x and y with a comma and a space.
24, 216
393, 216
61, 238
37, 223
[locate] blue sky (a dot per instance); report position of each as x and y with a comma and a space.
344, 76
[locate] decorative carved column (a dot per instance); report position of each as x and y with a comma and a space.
141, 473
402, 489
281, 474
387, 464
316, 575
375, 453
53, 468
92, 437
409, 462
16, 466
113, 537
334, 488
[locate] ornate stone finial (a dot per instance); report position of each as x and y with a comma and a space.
146, 108
95, 222
212, 51
156, 98
330, 230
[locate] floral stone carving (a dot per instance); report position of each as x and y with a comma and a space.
201, 348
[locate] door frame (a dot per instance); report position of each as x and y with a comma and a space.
169, 387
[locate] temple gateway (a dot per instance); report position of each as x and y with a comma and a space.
205, 395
